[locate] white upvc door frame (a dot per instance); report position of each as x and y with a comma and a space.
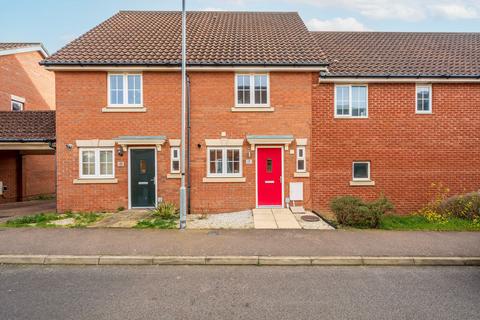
130, 178
256, 174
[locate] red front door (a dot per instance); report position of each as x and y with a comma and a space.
269, 176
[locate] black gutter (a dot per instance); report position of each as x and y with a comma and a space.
389, 76
26, 140
117, 64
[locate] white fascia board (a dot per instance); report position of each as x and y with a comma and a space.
398, 80
190, 69
40, 49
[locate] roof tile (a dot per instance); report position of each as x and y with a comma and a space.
27, 125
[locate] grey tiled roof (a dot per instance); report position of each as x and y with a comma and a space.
213, 38
401, 53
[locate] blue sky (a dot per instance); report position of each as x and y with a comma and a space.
55, 23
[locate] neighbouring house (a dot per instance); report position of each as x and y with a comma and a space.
277, 115
27, 161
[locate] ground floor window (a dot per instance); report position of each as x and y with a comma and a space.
175, 160
224, 162
96, 163
301, 162
361, 170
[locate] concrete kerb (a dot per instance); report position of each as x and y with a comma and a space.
238, 260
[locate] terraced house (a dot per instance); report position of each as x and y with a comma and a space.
277, 115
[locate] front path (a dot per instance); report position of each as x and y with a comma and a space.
12, 210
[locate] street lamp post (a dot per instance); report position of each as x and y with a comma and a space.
183, 193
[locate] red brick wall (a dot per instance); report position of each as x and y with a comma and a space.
21, 75
38, 175
213, 97
8, 175
80, 97
408, 151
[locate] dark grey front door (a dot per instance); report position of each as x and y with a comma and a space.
142, 177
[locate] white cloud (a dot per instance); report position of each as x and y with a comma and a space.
455, 11
212, 9
406, 10
336, 24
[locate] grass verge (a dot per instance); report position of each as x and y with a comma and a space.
157, 223
45, 220
418, 222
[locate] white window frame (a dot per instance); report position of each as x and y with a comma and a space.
429, 86
350, 101
97, 174
368, 171
125, 89
252, 103
304, 158
224, 162
13, 101
172, 159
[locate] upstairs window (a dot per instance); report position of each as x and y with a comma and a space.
252, 90
224, 162
17, 105
424, 99
351, 101
124, 89
96, 163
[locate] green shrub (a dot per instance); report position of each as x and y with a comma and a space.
354, 212
165, 210
465, 206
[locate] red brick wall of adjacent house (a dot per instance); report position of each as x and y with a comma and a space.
8, 175
408, 151
81, 96
21, 75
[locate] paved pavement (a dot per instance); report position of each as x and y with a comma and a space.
12, 210
238, 242
184, 292
274, 219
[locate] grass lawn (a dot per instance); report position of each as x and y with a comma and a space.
417, 222
45, 220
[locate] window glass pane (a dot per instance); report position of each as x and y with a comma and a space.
134, 90
359, 101
269, 165
260, 89
106, 162
17, 105
88, 162
343, 100
233, 161
143, 166
216, 161
301, 165
360, 170
175, 165
243, 89
116, 89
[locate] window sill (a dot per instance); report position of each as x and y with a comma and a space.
224, 179
423, 113
174, 175
95, 181
252, 109
301, 174
348, 117
127, 108
365, 183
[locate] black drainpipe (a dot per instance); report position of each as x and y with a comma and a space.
187, 147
